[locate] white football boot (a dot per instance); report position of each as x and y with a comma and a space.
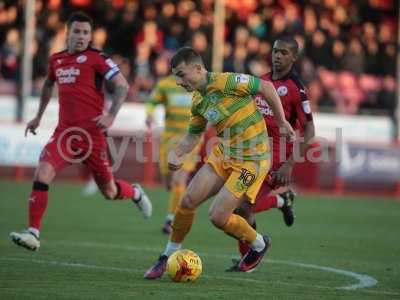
25, 239
90, 188
143, 202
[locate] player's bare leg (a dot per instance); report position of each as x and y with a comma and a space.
119, 189
38, 199
222, 207
204, 185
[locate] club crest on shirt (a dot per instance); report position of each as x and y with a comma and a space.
81, 59
282, 90
212, 115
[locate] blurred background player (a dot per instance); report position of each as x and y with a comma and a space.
297, 110
79, 136
177, 103
237, 165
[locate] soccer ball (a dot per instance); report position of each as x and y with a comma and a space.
184, 265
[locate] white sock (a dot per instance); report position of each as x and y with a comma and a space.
171, 248
169, 217
279, 201
35, 231
258, 244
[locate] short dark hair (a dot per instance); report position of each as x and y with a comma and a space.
186, 55
79, 16
287, 39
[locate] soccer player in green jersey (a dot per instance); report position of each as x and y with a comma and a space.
237, 165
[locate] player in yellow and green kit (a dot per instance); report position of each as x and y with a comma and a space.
177, 103
237, 165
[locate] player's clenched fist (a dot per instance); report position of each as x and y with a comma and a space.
286, 130
104, 121
174, 162
32, 126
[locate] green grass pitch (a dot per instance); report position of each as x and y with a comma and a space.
94, 249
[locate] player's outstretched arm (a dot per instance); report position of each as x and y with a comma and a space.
284, 174
119, 87
268, 91
45, 97
185, 146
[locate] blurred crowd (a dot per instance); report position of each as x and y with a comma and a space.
347, 58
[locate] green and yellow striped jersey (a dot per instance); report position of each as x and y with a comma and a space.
227, 103
177, 103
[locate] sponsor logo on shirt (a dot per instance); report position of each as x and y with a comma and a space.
67, 75
263, 106
242, 78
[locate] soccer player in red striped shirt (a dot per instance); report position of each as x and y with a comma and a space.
79, 72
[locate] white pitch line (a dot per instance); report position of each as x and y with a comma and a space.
130, 270
364, 281
69, 264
